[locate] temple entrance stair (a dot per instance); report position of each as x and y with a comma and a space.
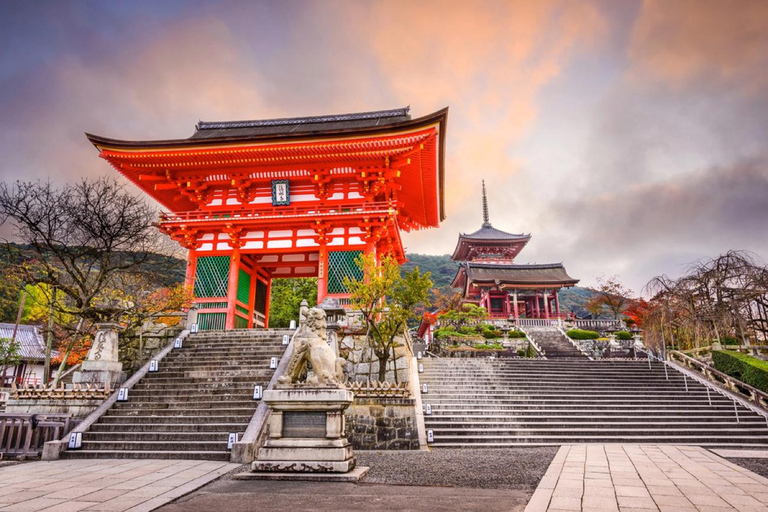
554, 343
486, 403
187, 409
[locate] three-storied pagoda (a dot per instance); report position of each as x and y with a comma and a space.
489, 277
296, 197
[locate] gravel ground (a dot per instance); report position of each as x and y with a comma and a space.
497, 468
759, 466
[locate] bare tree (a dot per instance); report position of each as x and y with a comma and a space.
82, 240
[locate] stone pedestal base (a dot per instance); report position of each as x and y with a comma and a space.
100, 372
306, 432
351, 476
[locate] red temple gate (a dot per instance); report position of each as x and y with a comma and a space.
298, 197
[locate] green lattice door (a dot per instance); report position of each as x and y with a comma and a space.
212, 276
342, 264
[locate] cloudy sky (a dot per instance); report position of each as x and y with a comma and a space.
629, 137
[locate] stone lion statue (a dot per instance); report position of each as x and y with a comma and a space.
310, 345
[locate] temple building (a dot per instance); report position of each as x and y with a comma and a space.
489, 277
297, 197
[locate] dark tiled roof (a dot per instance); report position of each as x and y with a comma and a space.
313, 124
29, 339
488, 232
553, 273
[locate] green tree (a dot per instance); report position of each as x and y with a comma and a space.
10, 355
465, 314
387, 300
286, 296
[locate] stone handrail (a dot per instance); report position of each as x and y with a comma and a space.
754, 395
53, 449
244, 450
537, 322
599, 323
539, 352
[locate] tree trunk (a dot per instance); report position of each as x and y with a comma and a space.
66, 354
383, 359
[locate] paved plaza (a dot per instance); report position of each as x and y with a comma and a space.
634, 478
99, 484
599, 478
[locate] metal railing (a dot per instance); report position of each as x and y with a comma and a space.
25, 434
709, 385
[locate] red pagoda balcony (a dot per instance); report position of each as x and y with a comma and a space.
280, 213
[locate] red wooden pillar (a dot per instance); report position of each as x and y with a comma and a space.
514, 305
234, 270
266, 307
322, 273
557, 303
507, 309
189, 278
537, 311
546, 304
252, 294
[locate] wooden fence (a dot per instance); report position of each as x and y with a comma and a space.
25, 434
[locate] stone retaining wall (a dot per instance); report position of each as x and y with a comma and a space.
382, 424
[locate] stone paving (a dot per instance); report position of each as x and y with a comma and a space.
640, 478
102, 484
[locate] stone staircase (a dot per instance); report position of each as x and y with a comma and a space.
554, 344
486, 403
187, 409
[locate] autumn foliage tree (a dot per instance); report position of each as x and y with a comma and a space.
613, 295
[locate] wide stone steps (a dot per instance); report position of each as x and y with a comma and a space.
200, 394
483, 402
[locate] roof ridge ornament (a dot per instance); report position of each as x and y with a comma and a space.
486, 221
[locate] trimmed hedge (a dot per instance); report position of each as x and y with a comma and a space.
623, 335
748, 369
578, 334
516, 334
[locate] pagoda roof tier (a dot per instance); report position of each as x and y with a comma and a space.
501, 275
489, 240
387, 152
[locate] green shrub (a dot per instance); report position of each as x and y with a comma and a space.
730, 340
489, 346
748, 369
466, 329
446, 332
578, 334
623, 335
516, 334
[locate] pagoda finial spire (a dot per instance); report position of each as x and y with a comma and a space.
486, 221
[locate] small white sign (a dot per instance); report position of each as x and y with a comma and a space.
153, 365
418, 355
232, 440
421, 368
177, 343
193, 328
429, 410
293, 325
122, 395
286, 339
424, 388
273, 363
257, 392
75, 440
430, 436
